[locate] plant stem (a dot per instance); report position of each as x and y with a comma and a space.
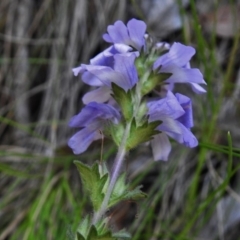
115, 173
119, 158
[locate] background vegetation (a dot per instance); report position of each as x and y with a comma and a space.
195, 195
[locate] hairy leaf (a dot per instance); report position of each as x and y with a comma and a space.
122, 192
124, 100
93, 182
141, 134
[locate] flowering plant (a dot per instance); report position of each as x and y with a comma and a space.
124, 76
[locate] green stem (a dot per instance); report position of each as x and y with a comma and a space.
115, 173
119, 158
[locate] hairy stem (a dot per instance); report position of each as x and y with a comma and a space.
115, 173
119, 159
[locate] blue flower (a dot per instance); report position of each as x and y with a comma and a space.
122, 72
116, 65
109, 66
131, 35
175, 112
104, 58
93, 118
176, 61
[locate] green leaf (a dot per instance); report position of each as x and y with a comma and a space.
153, 80
141, 134
93, 182
99, 231
80, 236
124, 99
83, 227
122, 235
116, 132
135, 194
119, 191
94, 235
141, 114
120, 186
107, 236
70, 233
101, 226
122, 192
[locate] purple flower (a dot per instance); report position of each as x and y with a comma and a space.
115, 64
175, 112
92, 118
131, 35
176, 61
123, 73
104, 58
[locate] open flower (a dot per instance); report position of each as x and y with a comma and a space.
175, 112
92, 119
123, 73
131, 35
104, 58
115, 64
176, 61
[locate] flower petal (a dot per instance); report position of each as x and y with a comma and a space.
104, 58
162, 46
107, 38
184, 137
122, 48
93, 113
178, 54
107, 75
166, 107
117, 33
100, 95
187, 118
161, 147
137, 29
91, 79
80, 141
132, 35
183, 75
197, 88
170, 125
77, 70
85, 117
125, 65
